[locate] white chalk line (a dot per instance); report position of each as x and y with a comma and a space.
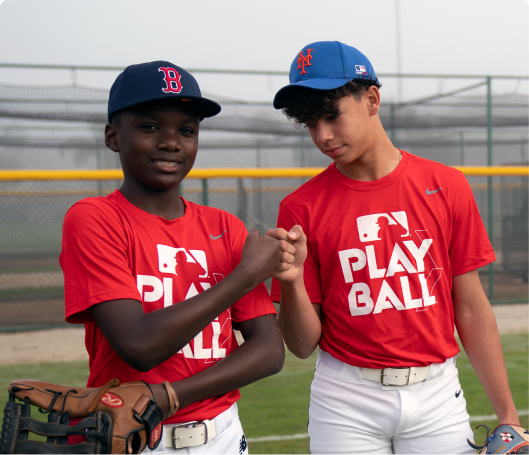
279, 438
493, 416
306, 435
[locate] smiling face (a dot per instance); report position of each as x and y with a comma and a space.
157, 143
352, 132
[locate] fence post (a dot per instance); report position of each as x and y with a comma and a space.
461, 148
392, 119
99, 166
205, 192
489, 183
258, 185
302, 150
242, 212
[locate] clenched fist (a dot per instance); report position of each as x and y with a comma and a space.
261, 257
293, 245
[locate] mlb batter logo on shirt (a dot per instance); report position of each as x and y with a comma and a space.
167, 262
190, 265
369, 225
408, 279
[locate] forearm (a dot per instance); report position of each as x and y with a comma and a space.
478, 331
187, 318
247, 364
261, 355
298, 320
144, 340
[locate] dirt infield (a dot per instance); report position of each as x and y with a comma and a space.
63, 345
56, 345
512, 318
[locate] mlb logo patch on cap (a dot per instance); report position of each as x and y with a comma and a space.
360, 69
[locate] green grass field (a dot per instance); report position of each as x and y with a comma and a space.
278, 405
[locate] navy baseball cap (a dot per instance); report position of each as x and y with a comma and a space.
326, 65
158, 81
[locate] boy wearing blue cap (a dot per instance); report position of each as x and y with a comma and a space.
160, 282
387, 251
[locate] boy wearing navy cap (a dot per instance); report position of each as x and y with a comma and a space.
387, 251
160, 282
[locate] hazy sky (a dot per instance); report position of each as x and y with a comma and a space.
436, 36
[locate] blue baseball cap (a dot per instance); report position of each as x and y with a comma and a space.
158, 80
326, 65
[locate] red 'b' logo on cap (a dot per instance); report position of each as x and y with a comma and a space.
172, 79
304, 60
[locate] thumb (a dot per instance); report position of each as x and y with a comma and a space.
296, 233
254, 231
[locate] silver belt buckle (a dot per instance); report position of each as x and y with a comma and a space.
187, 425
384, 369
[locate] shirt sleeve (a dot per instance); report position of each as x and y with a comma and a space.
470, 246
311, 268
257, 302
95, 262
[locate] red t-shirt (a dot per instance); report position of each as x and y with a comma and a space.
381, 256
113, 250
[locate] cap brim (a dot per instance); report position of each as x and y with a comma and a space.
203, 106
316, 84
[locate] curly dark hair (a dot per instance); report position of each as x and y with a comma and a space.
306, 106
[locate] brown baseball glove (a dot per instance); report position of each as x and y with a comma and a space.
115, 418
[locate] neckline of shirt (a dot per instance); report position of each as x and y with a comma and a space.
187, 218
360, 185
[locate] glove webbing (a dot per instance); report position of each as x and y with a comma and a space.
17, 424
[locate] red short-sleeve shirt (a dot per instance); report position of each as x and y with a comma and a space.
381, 256
113, 250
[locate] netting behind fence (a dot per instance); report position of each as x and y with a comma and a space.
62, 128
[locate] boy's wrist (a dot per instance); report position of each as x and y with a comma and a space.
296, 283
160, 396
510, 416
243, 279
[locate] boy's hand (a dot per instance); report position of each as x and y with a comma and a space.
261, 257
294, 247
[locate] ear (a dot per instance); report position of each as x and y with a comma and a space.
111, 137
372, 96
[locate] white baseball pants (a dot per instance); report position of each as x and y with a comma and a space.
349, 414
230, 438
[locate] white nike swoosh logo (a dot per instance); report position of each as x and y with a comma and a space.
428, 192
216, 237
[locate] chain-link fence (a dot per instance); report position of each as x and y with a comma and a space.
62, 128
